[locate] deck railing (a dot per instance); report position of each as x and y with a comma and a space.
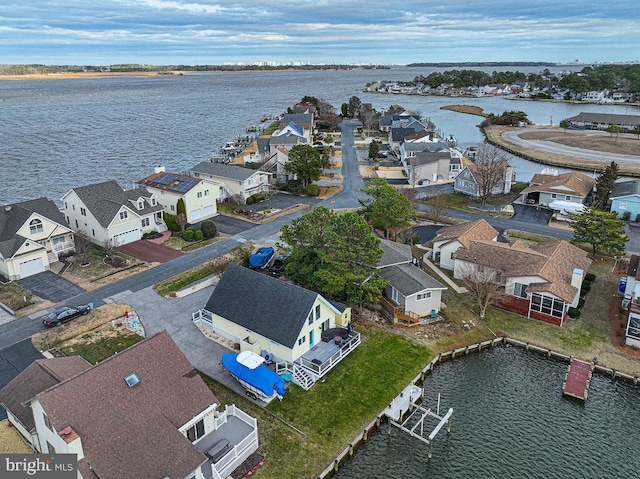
321, 369
399, 313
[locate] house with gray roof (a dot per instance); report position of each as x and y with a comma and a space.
601, 121
144, 413
33, 235
234, 181
293, 325
625, 198
109, 215
412, 295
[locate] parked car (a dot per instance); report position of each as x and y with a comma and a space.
278, 265
67, 313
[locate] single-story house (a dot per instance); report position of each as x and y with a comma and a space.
33, 234
632, 333
109, 215
471, 179
601, 121
625, 197
199, 196
144, 413
544, 188
234, 181
540, 282
449, 238
263, 313
412, 295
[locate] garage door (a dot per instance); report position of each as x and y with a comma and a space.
126, 237
31, 267
207, 211
195, 215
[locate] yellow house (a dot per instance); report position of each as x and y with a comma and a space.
33, 235
299, 329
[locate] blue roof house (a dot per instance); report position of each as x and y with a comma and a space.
626, 198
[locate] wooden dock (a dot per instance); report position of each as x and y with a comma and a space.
578, 379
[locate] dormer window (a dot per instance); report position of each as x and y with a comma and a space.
140, 204
153, 201
35, 226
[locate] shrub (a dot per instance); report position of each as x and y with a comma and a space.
189, 234
638, 218
586, 282
172, 222
209, 229
590, 277
198, 235
580, 303
312, 190
574, 313
250, 200
626, 215
585, 289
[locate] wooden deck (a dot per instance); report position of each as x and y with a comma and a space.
578, 379
399, 314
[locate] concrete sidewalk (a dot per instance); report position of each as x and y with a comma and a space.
445, 278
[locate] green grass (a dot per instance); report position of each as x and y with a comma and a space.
270, 129
96, 268
331, 414
104, 348
461, 202
179, 281
14, 296
178, 243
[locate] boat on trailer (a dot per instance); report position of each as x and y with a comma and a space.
259, 381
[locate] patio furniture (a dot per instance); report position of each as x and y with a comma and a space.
218, 450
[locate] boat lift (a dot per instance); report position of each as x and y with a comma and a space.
414, 424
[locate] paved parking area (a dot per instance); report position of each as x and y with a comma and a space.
231, 226
531, 214
281, 201
149, 251
50, 286
13, 360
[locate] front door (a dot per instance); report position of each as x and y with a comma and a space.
311, 343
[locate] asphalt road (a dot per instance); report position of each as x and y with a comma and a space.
549, 146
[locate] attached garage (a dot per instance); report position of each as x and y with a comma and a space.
207, 211
195, 215
126, 237
31, 267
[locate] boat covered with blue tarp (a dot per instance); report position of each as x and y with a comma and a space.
248, 368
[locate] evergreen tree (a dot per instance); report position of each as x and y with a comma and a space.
388, 208
306, 163
603, 230
604, 186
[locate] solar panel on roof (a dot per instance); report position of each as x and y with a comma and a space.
164, 179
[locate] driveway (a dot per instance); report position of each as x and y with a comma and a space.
531, 214
149, 251
231, 226
13, 360
50, 286
281, 201
174, 316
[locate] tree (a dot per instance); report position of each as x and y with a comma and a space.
306, 163
388, 208
84, 245
369, 117
344, 109
181, 211
614, 129
603, 230
374, 149
334, 254
310, 99
484, 285
436, 206
564, 124
636, 131
604, 186
353, 107
209, 229
489, 170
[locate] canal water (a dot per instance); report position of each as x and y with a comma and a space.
511, 421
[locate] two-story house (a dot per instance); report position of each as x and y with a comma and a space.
109, 215
33, 234
234, 181
199, 196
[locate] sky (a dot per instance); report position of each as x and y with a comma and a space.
169, 32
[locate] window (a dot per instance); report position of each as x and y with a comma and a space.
623, 205
140, 204
83, 212
145, 222
395, 296
520, 290
93, 232
74, 207
35, 226
65, 205
132, 380
77, 224
310, 318
123, 215
196, 431
423, 296
553, 196
199, 194
153, 202
318, 311
52, 450
173, 207
547, 305
47, 422
68, 221
567, 197
302, 340
206, 192
197, 175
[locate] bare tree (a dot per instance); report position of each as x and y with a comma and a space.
437, 206
484, 285
489, 170
84, 246
369, 118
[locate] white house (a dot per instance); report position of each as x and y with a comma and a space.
109, 215
450, 238
143, 413
234, 181
33, 235
199, 195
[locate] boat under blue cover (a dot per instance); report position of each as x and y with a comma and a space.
261, 378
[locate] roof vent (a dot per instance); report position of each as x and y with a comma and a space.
7, 208
132, 380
